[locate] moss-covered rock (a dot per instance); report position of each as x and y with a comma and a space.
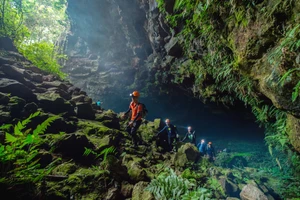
188, 153
140, 193
65, 169
293, 127
93, 128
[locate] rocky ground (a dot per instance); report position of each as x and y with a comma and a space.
96, 160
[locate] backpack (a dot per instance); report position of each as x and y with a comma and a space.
144, 111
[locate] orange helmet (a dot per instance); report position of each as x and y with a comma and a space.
167, 121
135, 94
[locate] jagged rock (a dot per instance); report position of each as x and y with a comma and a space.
16, 106
139, 192
74, 90
114, 165
229, 187
16, 88
45, 158
4, 99
81, 98
55, 84
54, 103
250, 192
85, 111
173, 48
30, 108
113, 194
38, 78
293, 129
109, 119
64, 169
188, 153
16, 73
4, 116
73, 145
61, 93
136, 172
126, 189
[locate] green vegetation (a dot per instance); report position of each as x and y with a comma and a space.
221, 40
170, 186
19, 162
104, 152
38, 28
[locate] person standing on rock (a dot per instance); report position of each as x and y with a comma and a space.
210, 151
172, 134
190, 135
202, 147
136, 117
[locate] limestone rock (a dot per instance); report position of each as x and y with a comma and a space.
139, 192
16, 88
251, 192
126, 189
186, 154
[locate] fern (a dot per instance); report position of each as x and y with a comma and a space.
25, 166
198, 194
41, 128
169, 186
106, 151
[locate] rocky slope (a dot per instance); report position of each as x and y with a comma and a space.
223, 52
89, 154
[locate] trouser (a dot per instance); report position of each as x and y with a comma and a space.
172, 142
132, 130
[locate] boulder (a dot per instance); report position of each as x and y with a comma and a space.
112, 194
251, 192
4, 99
56, 84
136, 172
229, 187
85, 111
73, 145
188, 153
16, 88
16, 73
139, 192
38, 78
173, 48
126, 189
51, 101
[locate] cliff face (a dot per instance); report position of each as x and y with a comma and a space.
106, 47
216, 51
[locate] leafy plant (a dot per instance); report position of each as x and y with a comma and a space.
18, 156
104, 152
169, 186
37, 28
44, 56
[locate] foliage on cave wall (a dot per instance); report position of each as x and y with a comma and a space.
230, 46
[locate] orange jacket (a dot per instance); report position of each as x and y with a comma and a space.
135, 109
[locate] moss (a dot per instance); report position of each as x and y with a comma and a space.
93, 128
65, 169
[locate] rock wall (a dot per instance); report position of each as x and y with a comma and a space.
216, 52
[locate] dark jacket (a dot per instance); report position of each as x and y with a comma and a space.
191, 137
202, 147
171, 130
210, 150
